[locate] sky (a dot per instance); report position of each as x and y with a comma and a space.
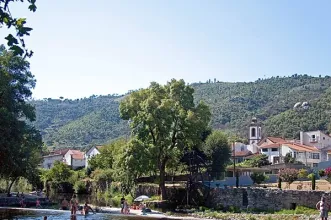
83, 48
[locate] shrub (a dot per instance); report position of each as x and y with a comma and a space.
321, 173
80, 187
258, 178
303, 173
288, 175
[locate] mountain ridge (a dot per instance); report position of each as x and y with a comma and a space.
95, 120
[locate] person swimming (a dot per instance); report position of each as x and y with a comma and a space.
86, 208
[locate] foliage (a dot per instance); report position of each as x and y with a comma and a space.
258, 178
59, 173
288, 175
80, 187
303, 173
321, 173
312, 177
166, 120
279, 183
218, 151
288, 158
328, 173
20, 143
232, 106
256, 161
16, 43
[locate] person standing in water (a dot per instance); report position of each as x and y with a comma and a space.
323, 207
73, 205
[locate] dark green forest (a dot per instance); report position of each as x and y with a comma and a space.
95, 120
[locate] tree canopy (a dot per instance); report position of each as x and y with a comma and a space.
20, 143
166, 120
16, 43
96, 120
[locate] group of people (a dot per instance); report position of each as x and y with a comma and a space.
73, 206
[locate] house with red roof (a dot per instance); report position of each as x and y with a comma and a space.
57, 155
308, 155
75, 159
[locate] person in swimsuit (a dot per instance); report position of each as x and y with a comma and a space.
323, 207
73, 205
64, 204
86, 209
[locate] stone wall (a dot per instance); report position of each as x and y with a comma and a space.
265, 199
243, 198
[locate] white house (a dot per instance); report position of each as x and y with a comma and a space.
308, 155
49, 160
91, 153
75, 159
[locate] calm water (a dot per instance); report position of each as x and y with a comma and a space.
59, 215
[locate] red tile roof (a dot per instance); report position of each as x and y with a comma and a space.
241, 153
294, 146
271, 146
60, 151
78, 156
276, 139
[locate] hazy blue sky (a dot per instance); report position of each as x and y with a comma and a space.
102, 47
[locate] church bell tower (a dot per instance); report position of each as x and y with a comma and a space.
254, 131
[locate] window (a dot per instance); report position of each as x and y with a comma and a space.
265, 150
316, 156
315, 164
323, 138
242, 148
274, 149
313, 136
253, 132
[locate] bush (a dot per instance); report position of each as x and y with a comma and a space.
288, 175
321, 173
80, 187
258, 178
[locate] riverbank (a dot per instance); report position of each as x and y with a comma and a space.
136, 214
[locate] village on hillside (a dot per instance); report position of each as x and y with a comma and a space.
312, 151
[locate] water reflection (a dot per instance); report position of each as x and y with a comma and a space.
25, 214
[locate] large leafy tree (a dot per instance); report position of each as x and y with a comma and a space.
165, 119
16, 43
218, 151
20, 143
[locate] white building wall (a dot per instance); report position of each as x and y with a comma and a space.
67, 157
48, 161
271, 154
315, 138
91, 153
76, 163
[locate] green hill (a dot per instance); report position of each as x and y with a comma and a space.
95, 120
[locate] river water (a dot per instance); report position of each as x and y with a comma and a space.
32, 214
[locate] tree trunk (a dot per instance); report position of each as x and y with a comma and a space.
162, 181
10, 185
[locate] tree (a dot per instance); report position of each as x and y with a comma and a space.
288, 175
60, 172
312, 177
16, 43
218, 151
259, 161
166, 120
20, 143
288, 158
258, 178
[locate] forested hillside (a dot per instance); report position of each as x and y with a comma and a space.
95, 120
